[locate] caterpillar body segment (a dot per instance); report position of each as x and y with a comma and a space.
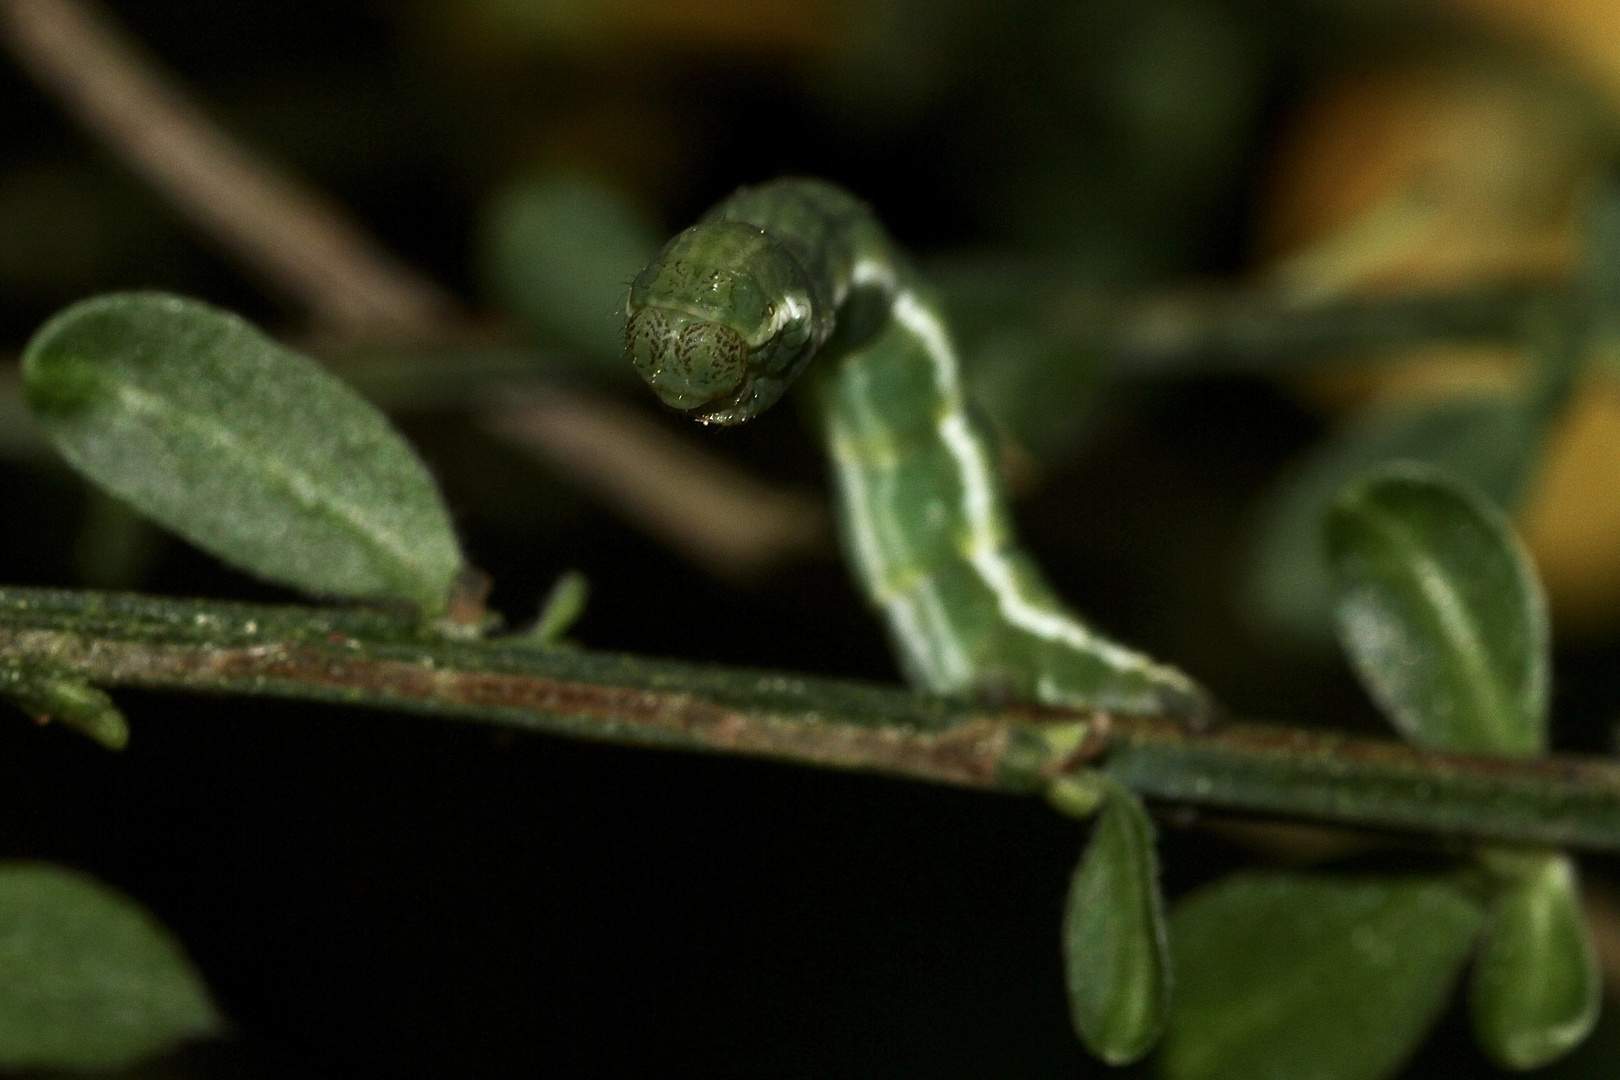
735, 307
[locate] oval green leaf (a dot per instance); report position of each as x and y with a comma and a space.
1296, 977
1489, 441
1441, 612
88, 979
1536, 987
247, 449
1115, 955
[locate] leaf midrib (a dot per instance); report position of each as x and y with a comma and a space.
1457, 627
391, 550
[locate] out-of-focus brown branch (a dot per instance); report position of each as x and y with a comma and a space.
730, 522
299, 242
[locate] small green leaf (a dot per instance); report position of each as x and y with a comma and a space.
561, 251
1441, 612
1292, 977
1489, 441
245, 448
1536, 987
88, 979
563, 606
1115, 955
49, 695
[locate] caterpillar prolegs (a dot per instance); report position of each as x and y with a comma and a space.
735, 307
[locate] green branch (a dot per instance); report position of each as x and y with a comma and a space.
381, 660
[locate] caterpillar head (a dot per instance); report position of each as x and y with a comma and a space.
722, 321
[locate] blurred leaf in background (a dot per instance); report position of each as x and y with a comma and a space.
560, 251
88, 979
1469, 165
1292, 977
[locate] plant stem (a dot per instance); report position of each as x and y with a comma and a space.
381, 660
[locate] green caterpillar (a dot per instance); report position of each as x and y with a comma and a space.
736, 307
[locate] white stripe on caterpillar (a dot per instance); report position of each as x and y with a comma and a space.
978, 498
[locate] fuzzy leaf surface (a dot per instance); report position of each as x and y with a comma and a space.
1296, 977
1441, 613
88, 979
246, 448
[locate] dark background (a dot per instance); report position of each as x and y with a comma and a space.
380, 895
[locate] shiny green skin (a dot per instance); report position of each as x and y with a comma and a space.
721, 322
922, 508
